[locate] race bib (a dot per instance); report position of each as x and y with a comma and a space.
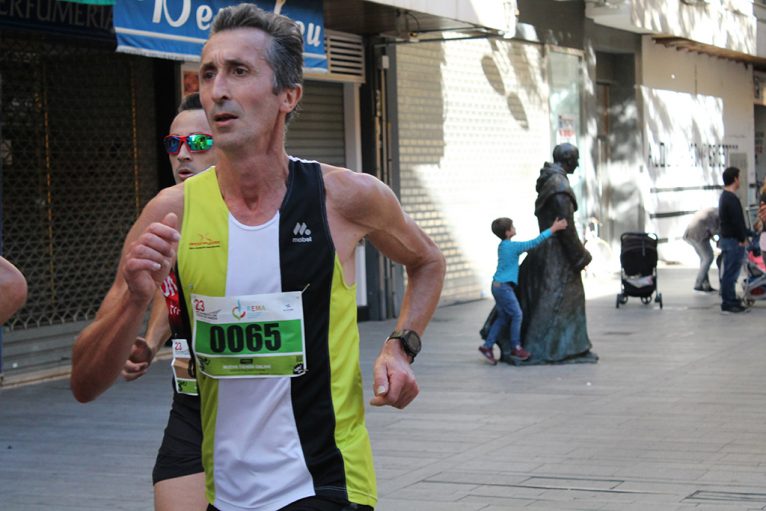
185, 384
253, 336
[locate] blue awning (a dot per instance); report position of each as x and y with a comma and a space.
177, 29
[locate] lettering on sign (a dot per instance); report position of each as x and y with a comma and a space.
693, 155
52, 11
203, 16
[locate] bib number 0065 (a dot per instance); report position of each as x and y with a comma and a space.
255, 337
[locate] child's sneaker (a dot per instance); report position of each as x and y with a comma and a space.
520, 353
487, 352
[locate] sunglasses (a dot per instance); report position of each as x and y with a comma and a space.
196, 142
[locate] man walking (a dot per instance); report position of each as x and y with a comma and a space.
265, 248
733, 235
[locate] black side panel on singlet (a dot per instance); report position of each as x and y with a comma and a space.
307, 258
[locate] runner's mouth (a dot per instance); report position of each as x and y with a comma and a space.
224, 117
184, 173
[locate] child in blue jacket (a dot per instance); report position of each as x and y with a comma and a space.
504, 285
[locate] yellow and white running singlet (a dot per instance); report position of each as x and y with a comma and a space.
269, 441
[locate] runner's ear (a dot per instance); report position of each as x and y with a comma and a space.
291, 98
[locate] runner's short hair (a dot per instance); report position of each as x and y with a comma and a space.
190, 102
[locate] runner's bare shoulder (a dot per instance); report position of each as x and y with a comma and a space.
356, 196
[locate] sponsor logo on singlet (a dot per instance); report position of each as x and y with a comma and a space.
302, 233
204, 241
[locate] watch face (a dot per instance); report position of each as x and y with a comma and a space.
412, 340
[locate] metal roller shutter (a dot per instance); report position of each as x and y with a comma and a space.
78, 164
317, 132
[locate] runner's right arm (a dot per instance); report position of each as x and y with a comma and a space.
101, 349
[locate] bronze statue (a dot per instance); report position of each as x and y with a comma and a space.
554, 329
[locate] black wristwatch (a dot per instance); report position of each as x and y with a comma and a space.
409, 340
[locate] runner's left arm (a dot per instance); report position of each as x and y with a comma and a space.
395, 234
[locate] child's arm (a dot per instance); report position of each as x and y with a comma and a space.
524, 246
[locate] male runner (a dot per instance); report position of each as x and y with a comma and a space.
178, 477
265, 249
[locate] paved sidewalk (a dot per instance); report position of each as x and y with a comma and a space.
673, 417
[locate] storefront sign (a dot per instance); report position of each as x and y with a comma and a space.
91, 21
177, 29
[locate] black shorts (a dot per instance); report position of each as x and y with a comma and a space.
317, 504
181, 451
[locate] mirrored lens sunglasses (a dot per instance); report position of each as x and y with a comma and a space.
196, 142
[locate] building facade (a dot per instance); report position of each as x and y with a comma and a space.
455, 105
696, 105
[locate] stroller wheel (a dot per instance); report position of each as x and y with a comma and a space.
618, 301
749, 302
646, 300
658, 299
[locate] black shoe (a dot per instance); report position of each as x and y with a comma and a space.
707, 288
733, 308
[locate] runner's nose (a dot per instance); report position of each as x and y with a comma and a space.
184, 153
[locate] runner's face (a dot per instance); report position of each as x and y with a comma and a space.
236, 89
186, 163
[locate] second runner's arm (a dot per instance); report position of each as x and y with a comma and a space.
145, 348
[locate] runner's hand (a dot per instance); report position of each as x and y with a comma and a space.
137, 364
394, 381
150, 258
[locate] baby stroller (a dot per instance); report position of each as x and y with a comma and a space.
638, 261
754, 277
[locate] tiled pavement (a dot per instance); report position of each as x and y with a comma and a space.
673, 417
